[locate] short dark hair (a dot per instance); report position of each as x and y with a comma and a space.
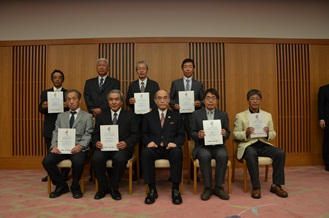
57, 71
254, 92
211, 91
73, 90
188, 60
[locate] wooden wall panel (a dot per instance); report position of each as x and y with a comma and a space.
7, 101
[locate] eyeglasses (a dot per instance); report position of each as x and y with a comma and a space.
255, 99
141, 69
208, 98
162, 98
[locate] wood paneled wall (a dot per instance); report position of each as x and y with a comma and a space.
288, 72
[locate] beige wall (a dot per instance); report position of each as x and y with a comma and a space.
62, 19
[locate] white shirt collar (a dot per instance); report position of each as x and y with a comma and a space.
160, 112
118, 112
60, 89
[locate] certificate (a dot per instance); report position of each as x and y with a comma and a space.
186, 101
213, 132
142, 103
109, 137
258, 122
66, 140
55, 102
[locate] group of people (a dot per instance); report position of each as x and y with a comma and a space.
160, 133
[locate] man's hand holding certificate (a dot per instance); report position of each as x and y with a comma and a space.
258, 122
213, 132
66, 140
109, 137
55, 102
186, 101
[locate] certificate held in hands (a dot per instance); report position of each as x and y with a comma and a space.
142, 104
258, 122
213, 132
66, 140
186, 101
109, 137
55, 102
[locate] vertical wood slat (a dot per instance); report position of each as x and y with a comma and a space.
294, 98
28, 62
121, 62
209, 62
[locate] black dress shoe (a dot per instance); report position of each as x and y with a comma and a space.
176, 198
60, 190
77, 194
100, 195
151, 196
44, 179
116, 195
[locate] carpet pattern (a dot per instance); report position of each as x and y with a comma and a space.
22, 194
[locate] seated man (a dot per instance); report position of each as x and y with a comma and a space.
217, 151
163, 137
83, 124
128, 137
252, 147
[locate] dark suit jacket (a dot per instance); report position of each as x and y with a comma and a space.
197, 125
323, 103
151, 87
178, 85
83, 125
98, 99
128, 127
172, 131
50, 119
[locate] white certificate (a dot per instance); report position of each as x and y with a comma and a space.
66, 140
213, 132
186, 101
258, 122
142, 103
55, 102
109, 137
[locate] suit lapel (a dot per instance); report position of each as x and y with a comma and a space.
77, 120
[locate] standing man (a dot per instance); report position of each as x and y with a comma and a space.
96, 89
217, 151
187, 83
143, 84
323, 114
163, 138
250, 148
128, 137
57, 77
82, 122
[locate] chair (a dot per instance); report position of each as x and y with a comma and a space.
66, 164
196, 165
164, 163
134, 158
262, 161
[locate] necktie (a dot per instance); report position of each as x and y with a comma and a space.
101, 84
142, 87
72, 118
187, 88
57, 90
115, 119
162, 120
209, 115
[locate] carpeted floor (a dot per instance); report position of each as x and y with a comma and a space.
22, 194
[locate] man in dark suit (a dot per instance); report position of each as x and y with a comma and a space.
128, 137
82, 122
323, 114
163, 137
96, 89
187, 83
143, 84
57, 77
217, 151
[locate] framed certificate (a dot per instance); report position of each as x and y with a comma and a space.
186, 101
55, 102
142, 104
109, 137
66, 140
213, 132
258, 122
